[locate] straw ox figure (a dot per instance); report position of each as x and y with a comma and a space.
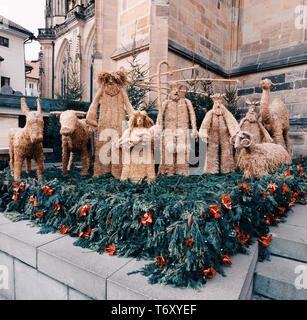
76, 138
251, 124
274, 115
114, 101
218, 126
255, 160
27, 143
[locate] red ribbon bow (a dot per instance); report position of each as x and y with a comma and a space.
147, 219
209, 273
32, 199
285, 189
265, 240
85, 210
39, 214
190, 243
241, 236
245, 188
47, 190
226, 202
214, 211
86, 234
161, 261
288, 173
110, 250
64, 230
57, 207
17, 187
16, 196
272, 187
226, 260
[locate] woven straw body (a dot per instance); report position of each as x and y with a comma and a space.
111, 124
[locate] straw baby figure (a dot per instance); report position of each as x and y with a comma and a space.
27, 143
137, 144
218, 126
178, 115
114, 101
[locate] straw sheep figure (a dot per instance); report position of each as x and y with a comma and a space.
27, 143
218, 126
137, 145
76, 138
256, 160
251, 124
114, 100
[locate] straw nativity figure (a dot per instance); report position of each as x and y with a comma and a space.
218, 126
137, 144
112, 120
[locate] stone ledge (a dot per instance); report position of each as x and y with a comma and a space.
49, 266
236, 285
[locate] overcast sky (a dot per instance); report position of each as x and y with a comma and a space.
30, 15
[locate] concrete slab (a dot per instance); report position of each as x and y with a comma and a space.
33, 285
298, 217
21, 241
4, 220
76, 295
289, 241
81, 269
276, 279
7, 262
233, 287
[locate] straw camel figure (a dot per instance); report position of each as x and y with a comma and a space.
27, 143
274, 115
114, 102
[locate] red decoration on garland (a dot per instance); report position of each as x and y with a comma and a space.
245, 188
16, 196
299, 167
243, 237
288, 173
214, 211
265, 240
209, 273
285, 189
161, 261
269, 219
32, 199
226, 202
85, 210
110, 250
64, 230
39, 214
190, 243
272, 187
147, 219
282, 210
57, 207
86, 234
226, 260
47, 190
17, 187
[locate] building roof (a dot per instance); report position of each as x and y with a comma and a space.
33, 66
15, 26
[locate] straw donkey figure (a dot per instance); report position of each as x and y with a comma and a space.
27, 143
114, 101
76, 138
274, 115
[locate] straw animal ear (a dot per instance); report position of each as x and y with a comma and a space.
56, 113
39, 105
248, 102
80, 114
148, 122
24, 107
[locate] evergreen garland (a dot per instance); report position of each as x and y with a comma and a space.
189, 226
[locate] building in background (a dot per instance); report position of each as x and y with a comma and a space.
32, 78
12, 53
248, 40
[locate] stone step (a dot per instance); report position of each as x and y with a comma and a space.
290, 238
277, 279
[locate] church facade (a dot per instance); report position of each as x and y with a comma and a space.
248, 40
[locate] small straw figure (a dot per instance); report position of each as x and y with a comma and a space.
27, 143
137, 144
218, 126
112, 119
